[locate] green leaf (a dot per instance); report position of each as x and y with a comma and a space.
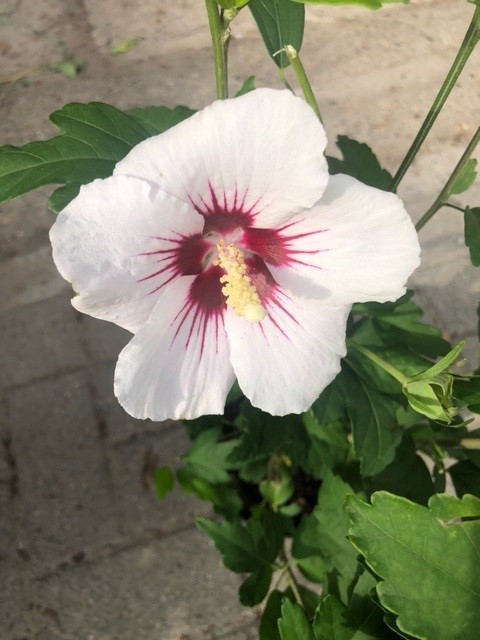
279, 489
246, 548
235, 543
124, 46
159, 119
208, 458
426, 579
472, 234
362, 620
360, 162
224, 498
58, 160
467, 391
268, 629
254, 588
293, 625
466, 177
447, 507
369, 4
280, 22
247, 86
398, 323
320, 543
62, 196
465, 477
329, 445
330, 405
407, 475
375, 431
106, 129
163, 482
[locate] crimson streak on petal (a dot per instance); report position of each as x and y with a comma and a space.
205, 303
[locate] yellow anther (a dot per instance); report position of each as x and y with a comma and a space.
237, 288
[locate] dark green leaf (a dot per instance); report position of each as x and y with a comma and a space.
254, 588
398, 323
466, 478
466, 177
472, 234
375, 431
247, 86
407, 475
268, 629
163, 482
329, 445
58, 160
369, 4
280, 22
429, 571
159, 119
293, 625
467, 391
330, 405
224, 498
106, 129
360, 162
62, 196
235, 543
320, 543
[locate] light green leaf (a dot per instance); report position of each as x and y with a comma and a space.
280, 22
429, 571
472, 234
254, 588
124, 46
447, 507
466, 177
360, 162
207, 456
159, 119
163, 482
293, 625
278, 490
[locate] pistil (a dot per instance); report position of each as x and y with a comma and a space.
238, 289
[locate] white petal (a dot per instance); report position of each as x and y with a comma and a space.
261, 152
284, 362
357, 244
105, 242
172, 368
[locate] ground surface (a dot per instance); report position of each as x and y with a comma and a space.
86, 553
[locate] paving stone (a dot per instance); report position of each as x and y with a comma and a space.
131, 467
30, 278
105, 340
162, 590
64, 499
38, 340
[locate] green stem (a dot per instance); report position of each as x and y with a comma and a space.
468, 45
395, 373
292, 583
299, 71
445, 192
220, 37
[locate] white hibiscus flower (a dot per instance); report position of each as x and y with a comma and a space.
224, 246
